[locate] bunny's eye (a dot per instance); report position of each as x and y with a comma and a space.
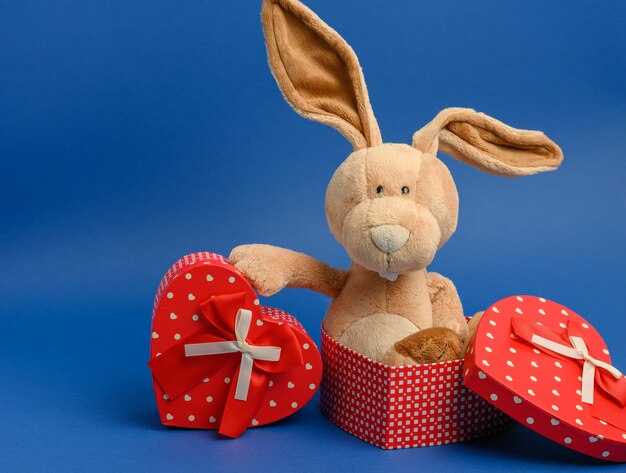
379, 190
405, 190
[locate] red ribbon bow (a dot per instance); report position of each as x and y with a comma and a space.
176, 371
610, 389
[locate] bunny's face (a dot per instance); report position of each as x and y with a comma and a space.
392, 206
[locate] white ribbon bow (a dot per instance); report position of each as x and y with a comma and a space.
579, 352
249, 353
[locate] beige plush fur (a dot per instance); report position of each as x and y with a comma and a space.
391, 206
318, 72
488, 144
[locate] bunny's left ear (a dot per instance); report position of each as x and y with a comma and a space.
488, 144
318, 72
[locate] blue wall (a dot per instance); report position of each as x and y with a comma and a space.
132, 133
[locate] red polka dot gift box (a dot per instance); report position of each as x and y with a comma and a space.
549, 369
221, 361
395, 407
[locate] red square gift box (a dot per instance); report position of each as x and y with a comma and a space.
395, 407
221, 361
549, 369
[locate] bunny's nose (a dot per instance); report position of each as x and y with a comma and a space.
389, 238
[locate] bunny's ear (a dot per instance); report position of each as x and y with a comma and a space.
317, 71
488, 144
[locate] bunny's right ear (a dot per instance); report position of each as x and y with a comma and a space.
488, 144
318, 72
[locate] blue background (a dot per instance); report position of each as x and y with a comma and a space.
132, 133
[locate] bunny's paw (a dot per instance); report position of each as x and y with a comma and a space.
264, 266
472, 325
431, 345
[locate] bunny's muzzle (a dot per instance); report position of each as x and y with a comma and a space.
389, 238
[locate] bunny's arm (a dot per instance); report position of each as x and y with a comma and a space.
447, 308
270, 268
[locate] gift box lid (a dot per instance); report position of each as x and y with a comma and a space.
549, 369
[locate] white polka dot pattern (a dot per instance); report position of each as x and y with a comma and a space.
540, 389
177, 316
179, 266
396, 407
282, 317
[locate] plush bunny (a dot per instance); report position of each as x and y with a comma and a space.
392, 206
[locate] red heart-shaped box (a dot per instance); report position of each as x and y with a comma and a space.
198, 300
510, 364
